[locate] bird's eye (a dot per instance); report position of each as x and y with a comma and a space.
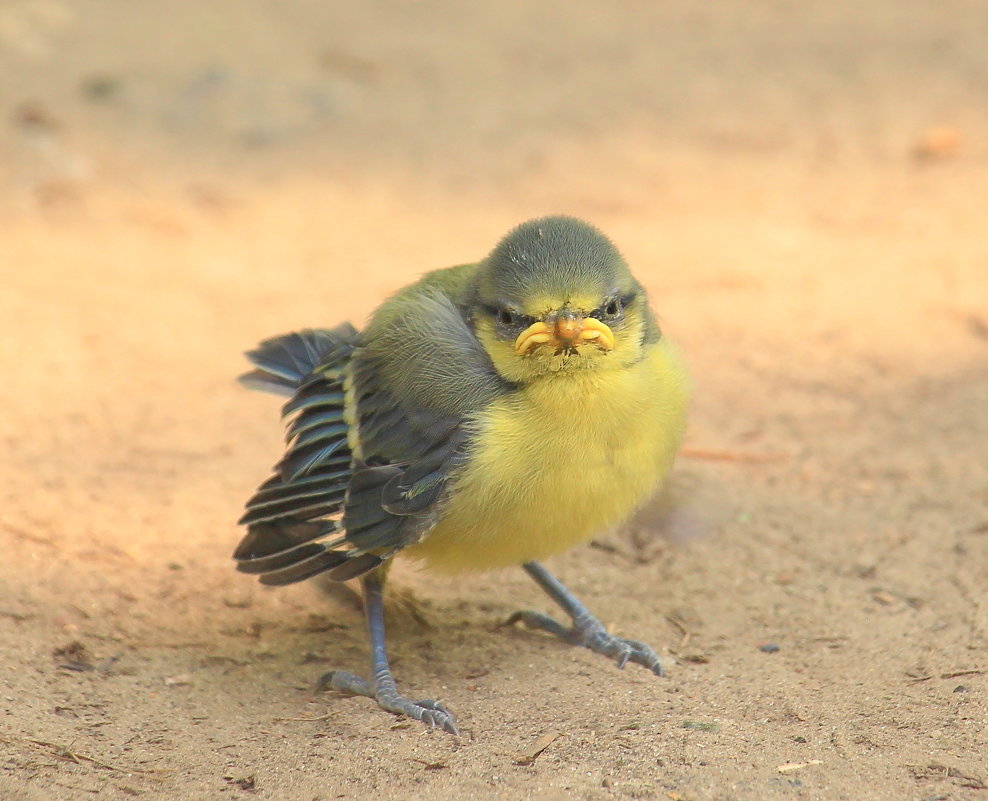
504, 317
614, 307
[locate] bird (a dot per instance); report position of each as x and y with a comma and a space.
488, 415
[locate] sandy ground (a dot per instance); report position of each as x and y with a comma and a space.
802, 188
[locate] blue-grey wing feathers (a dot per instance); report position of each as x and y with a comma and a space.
416, 376
303, 500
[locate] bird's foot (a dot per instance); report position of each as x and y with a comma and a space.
432, 713
590, 633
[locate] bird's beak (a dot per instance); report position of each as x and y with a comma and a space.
566, 330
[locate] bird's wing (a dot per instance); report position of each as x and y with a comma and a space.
419, 378
301, 502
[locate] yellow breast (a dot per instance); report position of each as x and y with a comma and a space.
559, 461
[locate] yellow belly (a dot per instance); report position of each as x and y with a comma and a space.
559, 461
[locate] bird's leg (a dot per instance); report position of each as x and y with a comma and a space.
586, 630
382, 686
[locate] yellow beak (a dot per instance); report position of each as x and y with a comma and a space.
567, 331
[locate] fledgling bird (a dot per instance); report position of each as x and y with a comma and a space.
490, 414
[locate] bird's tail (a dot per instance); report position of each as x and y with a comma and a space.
284, 362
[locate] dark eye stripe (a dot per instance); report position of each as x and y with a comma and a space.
508, 317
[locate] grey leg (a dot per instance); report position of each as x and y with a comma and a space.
383, 689
586, 630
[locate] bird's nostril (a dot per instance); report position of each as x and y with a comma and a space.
568, 327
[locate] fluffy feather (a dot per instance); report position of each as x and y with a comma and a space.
432, 436
559, 461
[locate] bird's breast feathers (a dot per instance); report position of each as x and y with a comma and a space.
560, 460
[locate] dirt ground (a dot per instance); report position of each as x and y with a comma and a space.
803, 190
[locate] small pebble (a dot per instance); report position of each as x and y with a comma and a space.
961, 688
768, 647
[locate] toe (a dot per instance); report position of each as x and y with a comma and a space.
643, 654
438, 717
430, 712
344, 682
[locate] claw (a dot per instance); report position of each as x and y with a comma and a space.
441, 718
586, 629
432, 713
592, 635
382, 688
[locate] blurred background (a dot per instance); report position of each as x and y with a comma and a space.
197, 175
802, 187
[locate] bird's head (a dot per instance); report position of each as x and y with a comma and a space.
555, 295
